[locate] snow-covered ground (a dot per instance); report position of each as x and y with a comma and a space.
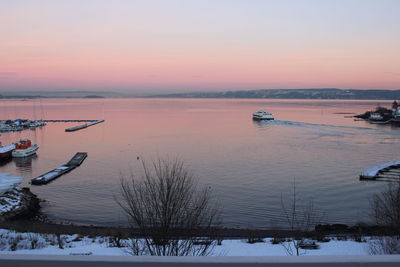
31, 243
10, 201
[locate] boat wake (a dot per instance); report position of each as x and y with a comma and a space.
326, 129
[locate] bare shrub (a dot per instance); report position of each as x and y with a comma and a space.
384, 245
301, 217
36, 241
60, 241
3, 243
168, 211
386, 207
253, 237
386, 212
14, 242
116, 240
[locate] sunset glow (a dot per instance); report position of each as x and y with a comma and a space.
165, 46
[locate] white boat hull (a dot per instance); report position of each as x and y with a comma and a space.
21, 153
259, 118
262, 115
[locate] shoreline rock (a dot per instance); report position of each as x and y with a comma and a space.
20, 203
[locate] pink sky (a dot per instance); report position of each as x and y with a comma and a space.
155, 46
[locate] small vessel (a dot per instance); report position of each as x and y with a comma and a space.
24, 148
375, 116
262, 115
396, 115
8, 182
5, 151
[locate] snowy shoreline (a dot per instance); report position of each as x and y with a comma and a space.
18, 203
12, 242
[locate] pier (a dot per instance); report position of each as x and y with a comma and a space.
74, 162
69, 120
77, 159
389, 171
83, 126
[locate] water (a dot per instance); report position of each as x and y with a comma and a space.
249, 165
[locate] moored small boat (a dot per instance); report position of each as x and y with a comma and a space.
24, 148
6, 151
375, 116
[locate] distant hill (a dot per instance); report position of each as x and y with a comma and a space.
318, 93
314, 93
93, 96
62, 94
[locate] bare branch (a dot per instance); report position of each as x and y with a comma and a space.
169, 211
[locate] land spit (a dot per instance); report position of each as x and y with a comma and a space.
18, 203
38, 226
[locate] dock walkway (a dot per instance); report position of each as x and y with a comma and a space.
74, 162
69, 120
83, 126
388, 171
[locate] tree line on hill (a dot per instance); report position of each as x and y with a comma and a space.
319, 93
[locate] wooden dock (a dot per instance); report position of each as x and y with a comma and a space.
77, 159
389, 171
83, 126
74, 162
69, 120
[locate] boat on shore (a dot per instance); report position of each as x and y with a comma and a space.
24, 148
262, 115
6, 151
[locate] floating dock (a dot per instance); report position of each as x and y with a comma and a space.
388, 171
69, 120
83, 126
75, 161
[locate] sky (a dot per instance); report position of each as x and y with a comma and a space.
204, 45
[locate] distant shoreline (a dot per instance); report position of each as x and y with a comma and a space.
317, 93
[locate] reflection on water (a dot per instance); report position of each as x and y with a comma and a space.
5, 161
248, 164
262, 124
24, 165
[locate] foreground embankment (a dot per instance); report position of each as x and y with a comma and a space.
18, 203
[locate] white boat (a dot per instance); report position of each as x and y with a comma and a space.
396, 114
262, 115
24, 148
375, 117
8, 182
5, 151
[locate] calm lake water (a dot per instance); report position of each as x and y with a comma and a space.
249, 165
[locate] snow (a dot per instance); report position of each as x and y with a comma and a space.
10, 201
8, 182
78, 245
371, 172
333, 247
62, 168
49, 175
